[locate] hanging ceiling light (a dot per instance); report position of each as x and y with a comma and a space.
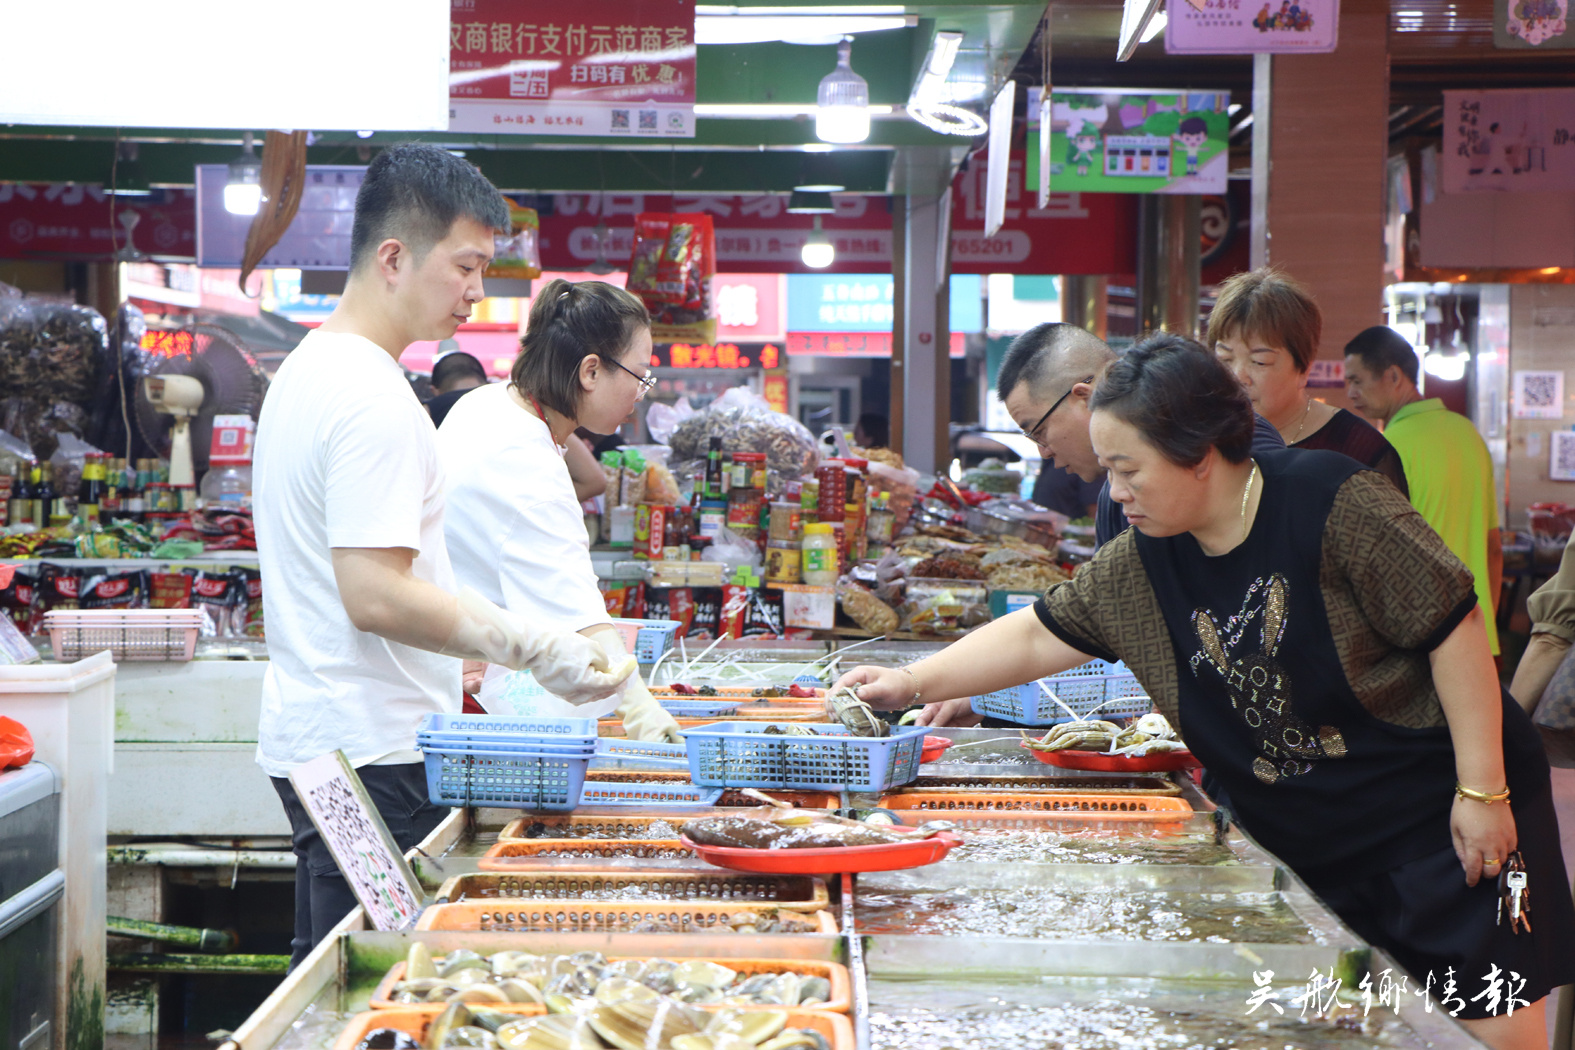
818, 174
128, 179
842, 110
804, 202
946, 119
818, 252
243, 188
929, 102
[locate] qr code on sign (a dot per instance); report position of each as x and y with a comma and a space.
1561, 455
1539, 395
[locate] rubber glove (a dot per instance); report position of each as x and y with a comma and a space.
643, 718
567, 665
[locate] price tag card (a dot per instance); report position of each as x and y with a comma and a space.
366, 853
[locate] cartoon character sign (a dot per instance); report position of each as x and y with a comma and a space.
1081, 146
1537, 21
1191, 136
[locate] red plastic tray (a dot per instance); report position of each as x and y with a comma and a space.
934, 747
1167, 762
881, 857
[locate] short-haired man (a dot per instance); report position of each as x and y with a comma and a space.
454, 375
1447, 465
1046, 379
364, 637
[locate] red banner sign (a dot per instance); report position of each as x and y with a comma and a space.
597, 67
1078, 233
57, 221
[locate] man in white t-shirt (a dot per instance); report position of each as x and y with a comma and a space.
365, 636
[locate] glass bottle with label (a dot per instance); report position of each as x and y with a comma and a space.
91, 490
820, 555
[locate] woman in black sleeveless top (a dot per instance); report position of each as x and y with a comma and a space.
1321, 651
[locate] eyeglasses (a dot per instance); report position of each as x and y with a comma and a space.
1029, 433
646, 381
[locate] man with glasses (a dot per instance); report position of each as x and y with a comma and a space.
1046, 379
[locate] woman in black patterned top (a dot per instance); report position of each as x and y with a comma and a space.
1321, 651
1265, 328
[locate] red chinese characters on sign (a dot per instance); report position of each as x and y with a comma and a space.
722, 356
1077, 233
596, 67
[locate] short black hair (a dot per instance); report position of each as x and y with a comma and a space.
1381, 346
567, 322
456, 364
1031, 355
877, 428
1180, 398
414, 193
1193, 126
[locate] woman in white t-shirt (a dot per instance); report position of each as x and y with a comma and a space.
514, 528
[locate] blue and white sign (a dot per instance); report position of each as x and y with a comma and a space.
826, 302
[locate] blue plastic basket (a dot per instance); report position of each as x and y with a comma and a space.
467, 727
603, 793
519, 779
653, 639
1096, 689
654, 752
742, 754
692, 708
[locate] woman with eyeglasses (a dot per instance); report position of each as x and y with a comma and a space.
513, 524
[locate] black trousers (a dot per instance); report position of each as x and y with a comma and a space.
322, 896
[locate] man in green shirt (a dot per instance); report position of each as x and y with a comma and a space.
1446, 462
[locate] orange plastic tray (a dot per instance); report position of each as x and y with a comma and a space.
1166, 762
796, 892
744, 693
529, 916
840, 1001
1024, 820
586, 826
841, 859
837, 1029
517, 853
1096, 807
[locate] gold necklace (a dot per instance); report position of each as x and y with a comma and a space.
1299, 426
1245, 494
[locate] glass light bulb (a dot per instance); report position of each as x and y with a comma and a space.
818, 254
242, 198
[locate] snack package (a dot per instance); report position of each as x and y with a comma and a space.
632, 490
169, 590
215, 593
17, 594
746, 422
671, 269
58, 588
518, 254
251, 617
114, 590
866, 610
763, 616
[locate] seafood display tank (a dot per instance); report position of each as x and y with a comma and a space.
1139, 919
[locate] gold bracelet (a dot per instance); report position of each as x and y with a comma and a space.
915, 679
1486, 797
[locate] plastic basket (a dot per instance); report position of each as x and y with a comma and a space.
517, 854
647, 639
1110, 688
698, 708
840, 999
836, 1028
797, 892
598, 827
485, 728
1099, 807
634, 793
130, 635
742, 754
526, 780
524, 916
654, 751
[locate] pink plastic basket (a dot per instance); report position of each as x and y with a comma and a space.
128, 634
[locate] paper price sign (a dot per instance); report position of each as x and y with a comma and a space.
359, 840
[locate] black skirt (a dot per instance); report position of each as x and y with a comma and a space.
1426, 917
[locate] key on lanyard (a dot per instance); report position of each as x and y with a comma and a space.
1515, 894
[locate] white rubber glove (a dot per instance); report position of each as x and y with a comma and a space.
643, 718
567, 665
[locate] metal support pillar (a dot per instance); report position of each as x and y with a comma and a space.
926, 372
1262, 129
1167, 264
1085, 302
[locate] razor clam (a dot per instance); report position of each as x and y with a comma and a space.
636, 1026
553, 1032
752, 1026
517, 991
418, 962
